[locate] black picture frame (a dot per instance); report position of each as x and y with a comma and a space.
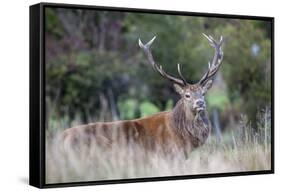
37, 95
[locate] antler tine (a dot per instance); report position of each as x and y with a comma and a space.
182, 77
216, 61
147, 50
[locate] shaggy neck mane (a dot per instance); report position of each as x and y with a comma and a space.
183, 118
187, 126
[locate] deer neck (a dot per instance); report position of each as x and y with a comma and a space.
189, 125
183, 117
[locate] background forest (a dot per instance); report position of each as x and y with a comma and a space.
95, 71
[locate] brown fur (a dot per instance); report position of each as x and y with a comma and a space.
168, 131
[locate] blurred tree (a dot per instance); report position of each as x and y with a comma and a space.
247, 67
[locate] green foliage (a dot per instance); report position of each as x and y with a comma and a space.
169, 105
127, 108
130, 108
217, 99
147, 108
53, 24
248, 73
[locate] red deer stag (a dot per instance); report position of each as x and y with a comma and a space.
186, 127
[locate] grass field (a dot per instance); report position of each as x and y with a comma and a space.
235, 152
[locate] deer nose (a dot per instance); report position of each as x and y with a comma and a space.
200, 103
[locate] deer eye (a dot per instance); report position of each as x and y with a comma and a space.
187, 95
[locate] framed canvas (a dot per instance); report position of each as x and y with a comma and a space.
122, 95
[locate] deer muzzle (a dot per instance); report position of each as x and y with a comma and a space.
199, 105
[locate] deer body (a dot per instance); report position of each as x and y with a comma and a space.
186, 127
159, 131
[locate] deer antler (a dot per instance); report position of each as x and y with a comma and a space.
216, 62
158, 68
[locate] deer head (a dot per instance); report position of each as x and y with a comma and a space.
192, 95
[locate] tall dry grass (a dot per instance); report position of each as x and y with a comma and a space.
240, 149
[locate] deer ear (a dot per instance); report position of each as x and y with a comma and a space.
178, 89
207, 85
